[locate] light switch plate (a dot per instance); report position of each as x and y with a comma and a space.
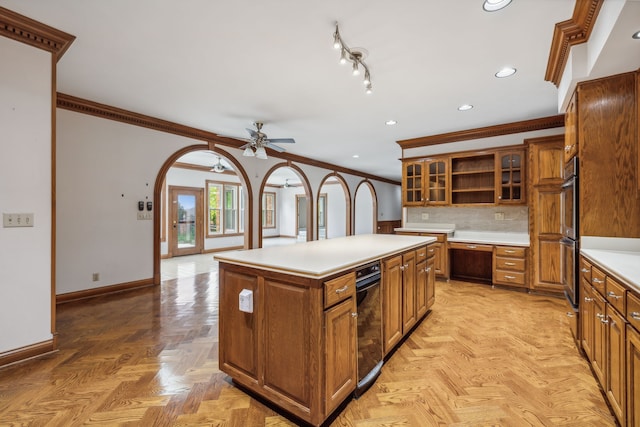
17, 220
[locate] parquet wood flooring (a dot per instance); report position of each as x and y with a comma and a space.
483, 357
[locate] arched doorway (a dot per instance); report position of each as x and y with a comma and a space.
366, 209
203, 205
286, 206
333, 208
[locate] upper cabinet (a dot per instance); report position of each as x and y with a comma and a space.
437, 181
571, 129
472, 178
510, 185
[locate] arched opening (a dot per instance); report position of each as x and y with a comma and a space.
286, 206
366, 209
203, 205
333, 208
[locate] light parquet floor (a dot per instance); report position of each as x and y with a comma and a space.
483, 357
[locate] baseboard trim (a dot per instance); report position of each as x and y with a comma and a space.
27, 352
104, 290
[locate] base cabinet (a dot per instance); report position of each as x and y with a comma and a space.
633, 376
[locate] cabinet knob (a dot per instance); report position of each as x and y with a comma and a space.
569, 314
567, 148
587, 299
600, 316
605, 321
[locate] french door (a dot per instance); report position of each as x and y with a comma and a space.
186, 235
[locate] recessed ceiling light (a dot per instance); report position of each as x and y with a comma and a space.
390, 122
506, 72
493, 5
356, 156
636, 35
465, 107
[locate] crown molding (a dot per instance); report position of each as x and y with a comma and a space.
79, 105
485, 132
34, 33
568, 33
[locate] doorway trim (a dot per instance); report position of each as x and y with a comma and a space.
197, 192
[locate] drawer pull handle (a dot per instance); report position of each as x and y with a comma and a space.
471, 246
598, 280
613, 295
569, 314
428, 270
402, 268
342, 289
431, 250
635, 315
587, 299
510, 251
585, 270
510, 263
353, 314
509, 277
600, 316
603, 320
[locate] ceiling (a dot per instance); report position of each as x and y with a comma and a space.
220, 66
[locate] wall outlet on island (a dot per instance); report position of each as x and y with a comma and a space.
499, 216
425, 216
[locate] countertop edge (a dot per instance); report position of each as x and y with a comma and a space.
595, 256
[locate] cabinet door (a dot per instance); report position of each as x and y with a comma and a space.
586, 319
633, 376
616, 375
409, 317
437, 182
510, 179
599, 337
571, 129
431, 282
341, 353
421, 288
392, 302
413, 182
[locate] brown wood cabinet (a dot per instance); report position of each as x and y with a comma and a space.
413, 183
510, 266
408, 289
388, 227
438, 250
471, 261
437, 181
510, 173
473, 179
571, 129
607, 134
609, 340
545, 191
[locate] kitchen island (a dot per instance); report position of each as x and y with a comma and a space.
288, 327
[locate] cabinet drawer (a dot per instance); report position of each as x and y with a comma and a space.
513, 264
509, 277
439, 236
421, 254
585, 269
339, 288
470, 246
510, 251
633, 310
616, 295
598, 279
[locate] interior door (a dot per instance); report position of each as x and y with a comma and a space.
186, 235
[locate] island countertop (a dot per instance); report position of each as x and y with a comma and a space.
321, 258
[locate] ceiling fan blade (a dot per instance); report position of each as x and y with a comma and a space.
281, 140
248, 144
252, 132
274, 147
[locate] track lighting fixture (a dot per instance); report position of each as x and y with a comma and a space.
355, 57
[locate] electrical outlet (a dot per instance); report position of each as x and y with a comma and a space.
96, 277
499, 216
425, 216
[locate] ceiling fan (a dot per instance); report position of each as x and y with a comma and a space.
218, 167
259, 141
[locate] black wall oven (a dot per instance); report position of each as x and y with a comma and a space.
570, 235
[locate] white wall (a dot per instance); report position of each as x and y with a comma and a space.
364, 211
336, 210
104, 168
25, 187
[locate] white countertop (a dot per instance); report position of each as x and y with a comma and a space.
427, 228
321, 258
619, 256
491, 238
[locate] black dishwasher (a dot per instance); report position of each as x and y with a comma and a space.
370, 357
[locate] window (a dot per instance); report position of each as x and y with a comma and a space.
224, 205
268, 210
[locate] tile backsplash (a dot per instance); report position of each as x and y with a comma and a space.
516, 218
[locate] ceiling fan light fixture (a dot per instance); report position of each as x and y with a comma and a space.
261, 153
355, 71
248, 152
218, 167
493, 5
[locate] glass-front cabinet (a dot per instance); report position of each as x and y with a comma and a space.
510, 177
412, 188
437, 181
